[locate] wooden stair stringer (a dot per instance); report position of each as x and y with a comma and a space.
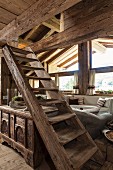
50, 139
31, 55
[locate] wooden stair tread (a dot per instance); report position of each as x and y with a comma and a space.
62, 117
21, 51
50, 101
79, 152
68, 134
49, 109
45, 89
31, 68
38, 78
26, 59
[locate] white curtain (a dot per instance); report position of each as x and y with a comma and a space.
76, 90
90, 90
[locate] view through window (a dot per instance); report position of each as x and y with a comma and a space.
66, 83
104, 81
103, 59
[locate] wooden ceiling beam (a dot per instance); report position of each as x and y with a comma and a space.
48, 34
31, 32
57, 55
74, 62
106, 40
98, 47
71, 52
67, 61
46, 55
53, 24
39, 12
81, 27
108, 45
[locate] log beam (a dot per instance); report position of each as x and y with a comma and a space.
57, 55
53, 24
67, 61
81, 26
39, 12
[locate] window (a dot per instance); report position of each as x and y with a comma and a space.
66, 83
104, 81
103, 59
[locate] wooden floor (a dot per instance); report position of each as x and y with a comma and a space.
11, 160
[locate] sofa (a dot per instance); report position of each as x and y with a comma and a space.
93, 118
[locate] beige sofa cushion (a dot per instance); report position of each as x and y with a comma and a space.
92, 101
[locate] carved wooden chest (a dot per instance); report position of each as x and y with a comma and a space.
18, 130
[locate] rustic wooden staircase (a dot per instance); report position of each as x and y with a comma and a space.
65, 138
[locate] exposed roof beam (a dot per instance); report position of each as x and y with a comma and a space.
74, 62
83, 27
67, 61
57, 55
46, 55
53, 24
39, 12
98, 47
108, 45
31, 32
48, 34
69, 53
107, 40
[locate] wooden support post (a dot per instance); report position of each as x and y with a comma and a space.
84, 55
46, 66
57, 80
62, 22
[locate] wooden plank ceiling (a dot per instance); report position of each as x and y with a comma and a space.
10, 9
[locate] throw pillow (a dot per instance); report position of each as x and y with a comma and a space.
81, 100
101, 102
108, 100
73, 102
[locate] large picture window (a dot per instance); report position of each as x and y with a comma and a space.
66, 83
103, 59
104, 81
